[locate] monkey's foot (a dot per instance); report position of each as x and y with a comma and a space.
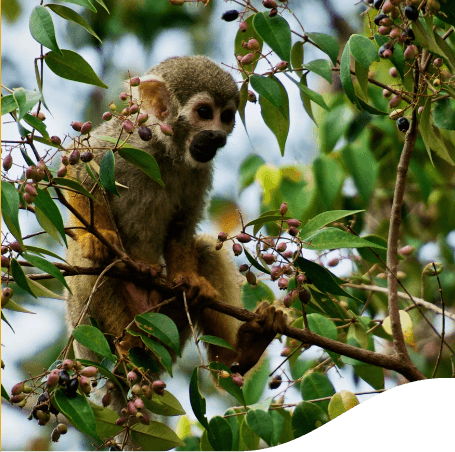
254, 336
93, 249
196, 286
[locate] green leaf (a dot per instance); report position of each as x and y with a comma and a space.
306, 102
78, 412
277, 119
47, 225
323, 326
327, 44
70, 183
42, 28
248, 439
46, 266
397, 59
261, 423
10, 209
164, 405
363, 50
334, 238
362, 77
368, 255
363, 167
306, 418
248, 168
431, 135
47, 205
369, 108
85, 3
72, 66
141, 358
164, 357
220, 433
312, 95
275, 31
37, 124
234, 421
324, 219
256, 382
40, 291
155, 436
422, 178
25, 100
329, 177
143, 160
216, 341
321, 278
243, 100
5, 394
69, 14
345, 74
19, 277
252, 295
444, 114
373, 375
107, 172
317, 386
278, 425
341, 402
269, 88
297, 55
197, 400
162, 327
9, 104
93, 339
13, 306
262, 220
321, 67
255, 263
105, 421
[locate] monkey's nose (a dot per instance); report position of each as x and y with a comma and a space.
205, 144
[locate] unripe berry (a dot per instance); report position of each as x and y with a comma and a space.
290, 298
74, 157
252, 97
237, 249
253, 44
139, 403
269, 4
333, 262
218, 246
89, 371
411, 52
110, 385
62, 428
8, 162
17, 398
283, 283
107, 399
112, 106
273, 12
123, 96
238, 381
67, 364
39, 115
243, 26
121, 421
438, 62
52, 380
86, 128
76, 125
222, 236
142, 118
398, 113
275, 273
385, 53
243, 268
158, 387
394, 101
304, 296
230, 15
16, 247
224, 374
62, 171
386, 93
248, 58
135, 81
7, 292
293, 223
143, 418
128, 126
384, 31
145, 134
281, 247
132, 376
132, 410
55, 435
107, 116
134, 109
29, 199
407, 250
379, 17
283, 208
31, 172
395, 33
147, 391
167, 130
243, 237
251, 277
84, 383
18, 388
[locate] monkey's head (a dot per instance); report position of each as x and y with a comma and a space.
197, 99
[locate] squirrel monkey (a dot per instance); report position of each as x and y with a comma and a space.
156, 224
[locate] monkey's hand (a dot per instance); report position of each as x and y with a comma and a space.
93, 249
254, 336
196, 286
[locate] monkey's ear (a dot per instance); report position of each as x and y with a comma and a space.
155, 98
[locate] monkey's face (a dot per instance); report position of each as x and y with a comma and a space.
209, 125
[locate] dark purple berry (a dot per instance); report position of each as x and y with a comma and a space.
86, 156
411, 12
379, 17
402, 124
230, 15
378, 3
145, 133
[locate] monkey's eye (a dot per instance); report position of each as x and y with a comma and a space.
227, 116
205, 112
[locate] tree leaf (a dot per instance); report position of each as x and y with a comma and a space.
317, 386
105, 421
329, 177
363, 50
70, 183
368, 255
42, 28
85, 3
78, 412
107, 172
345, 74
269, 88
220, 433
72, 66
261, 423
397, 58
48, 207
46, 266
10, 209
373, 375
69, 14
216, 341
277, 119
162, 327
47, 225
321, 67
275, 31
327, 44
306, 102
341, 402
297, 55
312, 95
197, 400
251, 295
444, 114
362, 77
9, 104
164, 405
248, 169
143, 160
37, 124
19, 277
93, 339
226, 383
306, 418
155, 436
324, 219
141, 358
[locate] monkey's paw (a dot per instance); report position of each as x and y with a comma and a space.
195, 286
254, 336
93, 249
